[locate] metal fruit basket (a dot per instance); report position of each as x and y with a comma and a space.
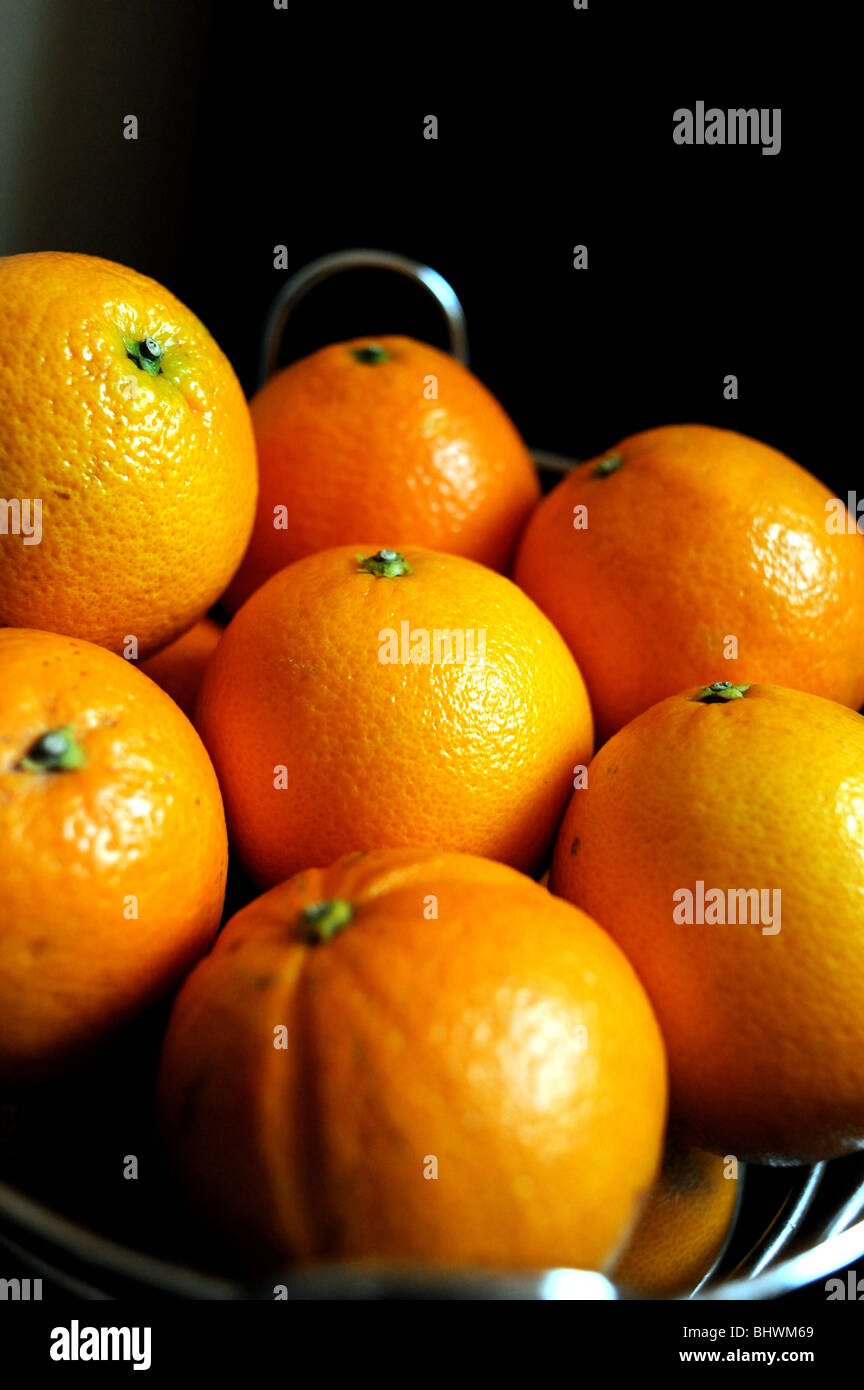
792, 1226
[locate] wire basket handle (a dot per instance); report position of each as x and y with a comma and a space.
317, 271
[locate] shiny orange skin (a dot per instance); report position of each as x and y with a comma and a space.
347, 446
699, 535
179, 668
142, 820
684, 1225
322, 749
147, 483
506, 1038
764, 1028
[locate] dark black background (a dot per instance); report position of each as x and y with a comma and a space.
555, 128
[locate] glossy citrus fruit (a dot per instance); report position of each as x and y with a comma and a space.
112, 847
120, 416
383, 428
720, 840
688, 549
363, 699
418, 1056
179, 668
684, 1225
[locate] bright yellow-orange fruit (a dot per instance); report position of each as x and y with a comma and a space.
359, 701
684, 1225
720, 841
688, 549
124, 433
350, 1074
113, 850
384, 428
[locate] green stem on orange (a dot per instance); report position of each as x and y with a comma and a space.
371, 355
146, 354
386, 564
719, 693
56, 751
322, 921
607, 466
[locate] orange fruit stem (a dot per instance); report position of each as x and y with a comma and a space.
386, 564
322, 921
720, 693
58, 750
372, 355
146, 354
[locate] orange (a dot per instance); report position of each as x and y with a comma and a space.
698, 550
113, 849
380, 428
720, 840
357, 703
179, 668
415, 1056
684, 1226
122, 419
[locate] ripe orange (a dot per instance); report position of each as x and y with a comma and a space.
179, 668
112, 847
759, 793
386, 428
418, 1056
323, 745
684, 1225
696, 539
120, 416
